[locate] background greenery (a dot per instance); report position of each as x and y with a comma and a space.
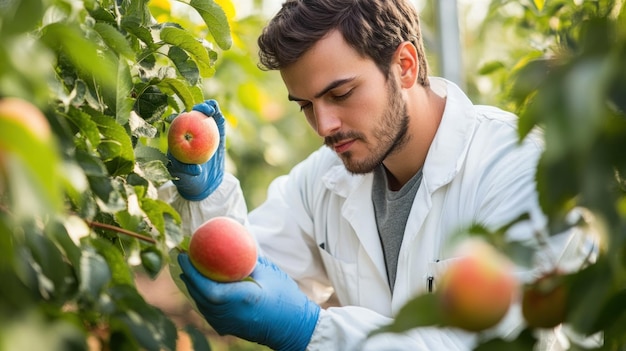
82, 234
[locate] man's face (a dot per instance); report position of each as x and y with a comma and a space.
347, 100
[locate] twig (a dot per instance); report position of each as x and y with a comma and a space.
121, 231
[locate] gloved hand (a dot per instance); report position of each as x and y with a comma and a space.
271, 311
196, 182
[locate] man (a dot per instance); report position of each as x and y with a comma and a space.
408, 161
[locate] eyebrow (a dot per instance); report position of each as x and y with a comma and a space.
328, 88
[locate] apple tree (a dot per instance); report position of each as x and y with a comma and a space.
80, 213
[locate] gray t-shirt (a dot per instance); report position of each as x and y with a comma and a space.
392, 211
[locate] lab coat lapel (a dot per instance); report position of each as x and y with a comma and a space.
358, 211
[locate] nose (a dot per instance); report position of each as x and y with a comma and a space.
326, 120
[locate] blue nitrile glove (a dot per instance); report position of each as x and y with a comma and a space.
270, 310
196, 182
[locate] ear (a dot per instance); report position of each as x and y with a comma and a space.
406, 59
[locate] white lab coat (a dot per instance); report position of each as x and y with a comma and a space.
318, 225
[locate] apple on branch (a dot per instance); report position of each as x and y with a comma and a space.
544, 301
223, 250
476, 291
193, 137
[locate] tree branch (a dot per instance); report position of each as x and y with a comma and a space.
121, 231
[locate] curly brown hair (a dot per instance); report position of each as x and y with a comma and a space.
374, 28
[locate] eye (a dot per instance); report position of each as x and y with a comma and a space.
343, 96
304, 106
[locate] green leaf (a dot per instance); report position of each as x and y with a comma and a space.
134, 26
31, 166
123, 101
171, 85
137, 9
216, 21
490, 67
145, 154
151, 103
82, 52
524, 342
173, 233
94, 274
115, 147
140, 128
156, 172
120, 270
115, 40
161, 214
52, 270
198, 339
20, 16
59, 234
184, 40
34, 330
152, 261
185, 65
86, 127
146, 324
421, 311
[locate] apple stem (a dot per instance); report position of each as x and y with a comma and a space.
250, 279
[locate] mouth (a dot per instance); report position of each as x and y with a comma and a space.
342, 147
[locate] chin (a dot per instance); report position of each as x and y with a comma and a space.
356, 167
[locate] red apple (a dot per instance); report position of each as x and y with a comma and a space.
193, 137
223, 250
544, 301
475, 292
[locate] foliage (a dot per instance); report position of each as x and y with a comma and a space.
568, 77
79, 215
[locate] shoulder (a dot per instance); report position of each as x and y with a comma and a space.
503, 124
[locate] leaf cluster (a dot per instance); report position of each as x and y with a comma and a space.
79, 215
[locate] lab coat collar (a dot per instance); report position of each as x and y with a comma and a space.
451, 143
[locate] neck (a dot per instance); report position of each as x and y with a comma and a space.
425, 110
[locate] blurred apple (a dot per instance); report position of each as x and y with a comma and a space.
544, 301
17, 110
26, 119
475, 292
193, 137
223, 250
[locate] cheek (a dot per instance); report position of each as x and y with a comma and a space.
310, 118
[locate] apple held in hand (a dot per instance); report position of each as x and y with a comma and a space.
223, 250
544, 301
476, 290
193, 137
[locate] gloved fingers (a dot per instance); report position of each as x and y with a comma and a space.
175, 166
266, 270
205, 108
212, 109
211, 292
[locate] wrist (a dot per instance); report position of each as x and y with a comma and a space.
303, 332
